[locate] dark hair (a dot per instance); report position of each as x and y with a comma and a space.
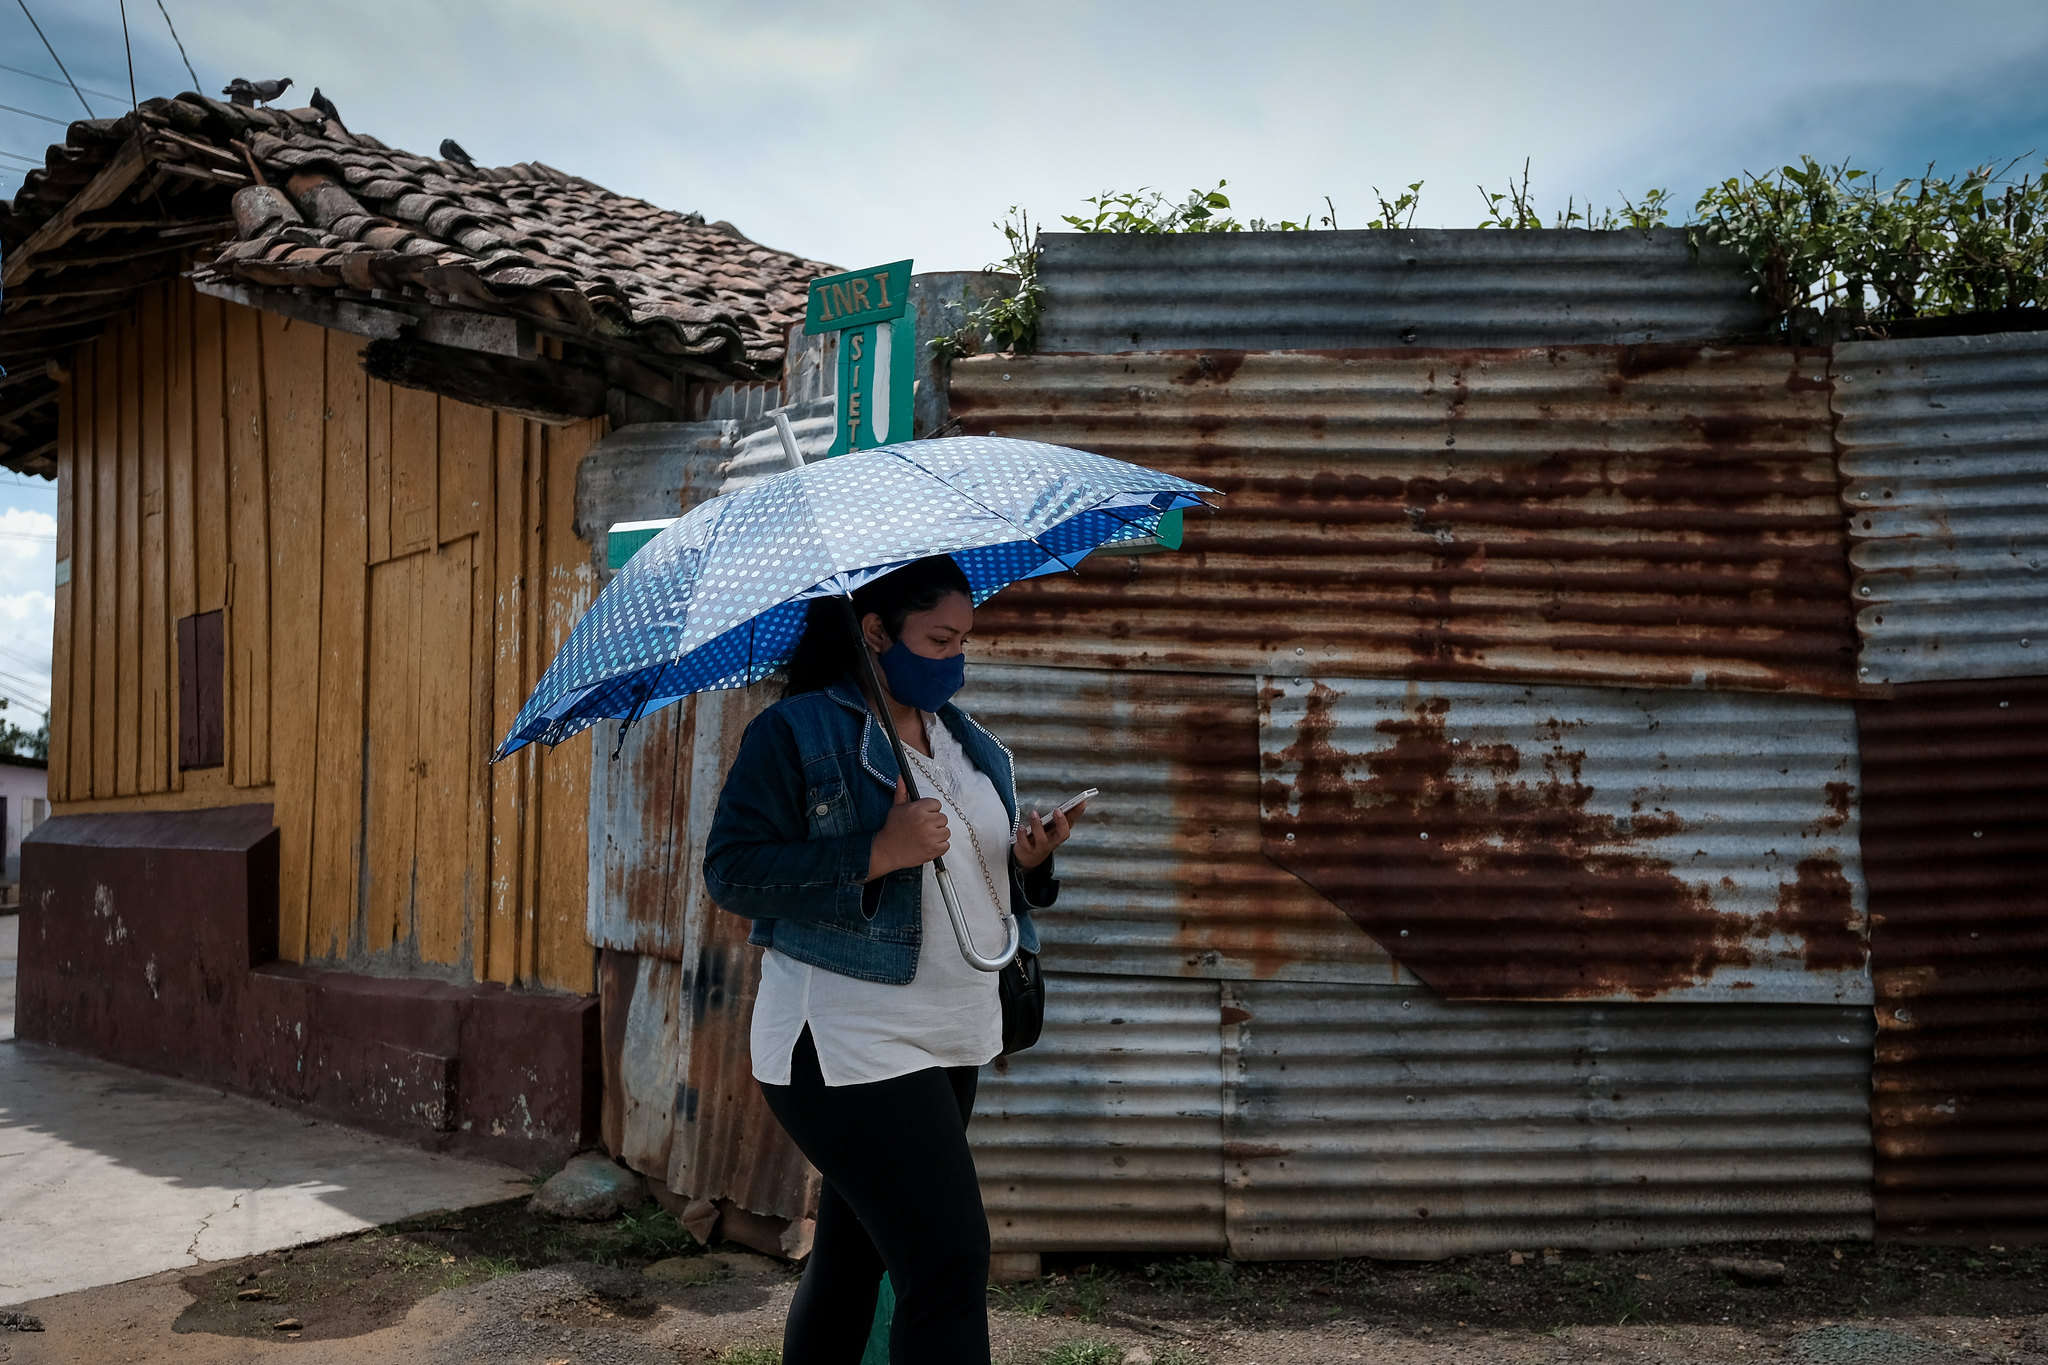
825, 654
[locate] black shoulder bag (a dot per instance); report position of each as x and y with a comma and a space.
1022, 988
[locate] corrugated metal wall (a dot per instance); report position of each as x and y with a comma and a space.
1108, 1134
1387, 1122
1288, 1120
1955, 821
1663, 516
1320, 291
1367, 644
1945, 477
1553, 843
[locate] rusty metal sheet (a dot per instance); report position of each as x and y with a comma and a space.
1945, 477
640, 803
1106, 1136
1542, 843
1662, 516
1382, 1121
1165, 877
1955, 839
727, 1143
641, 1011
1282, 291
644, 471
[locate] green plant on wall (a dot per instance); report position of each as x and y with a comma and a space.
1834, 241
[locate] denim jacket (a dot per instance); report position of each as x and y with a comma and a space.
796, 821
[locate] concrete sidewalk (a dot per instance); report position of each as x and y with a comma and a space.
108, 1174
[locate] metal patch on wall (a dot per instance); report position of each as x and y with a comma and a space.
1944, 459
1544, 843
1386, 1122
1647, 516
1164, 876
1955, 823
1108, 292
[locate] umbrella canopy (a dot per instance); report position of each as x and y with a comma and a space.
720, 598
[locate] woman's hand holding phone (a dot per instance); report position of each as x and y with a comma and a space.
1038, 835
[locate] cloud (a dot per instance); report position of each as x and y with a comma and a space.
901, 128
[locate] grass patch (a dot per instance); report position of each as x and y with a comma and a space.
750, 1355
1084, 1353
1032, 1300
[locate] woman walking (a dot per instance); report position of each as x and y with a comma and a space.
869, 1025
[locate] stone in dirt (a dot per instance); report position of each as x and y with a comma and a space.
591, 1188
20, 1322
288, 1325
1749, 1272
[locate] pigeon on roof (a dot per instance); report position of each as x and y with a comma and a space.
247, 92
326, 108
451, 150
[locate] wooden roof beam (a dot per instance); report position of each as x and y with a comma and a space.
103, 189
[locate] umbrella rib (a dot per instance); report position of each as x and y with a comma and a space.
1010, 521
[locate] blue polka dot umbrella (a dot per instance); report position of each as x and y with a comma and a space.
720, 598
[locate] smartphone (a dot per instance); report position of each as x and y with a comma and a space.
1063, 807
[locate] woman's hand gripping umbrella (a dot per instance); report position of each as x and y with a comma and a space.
720, 598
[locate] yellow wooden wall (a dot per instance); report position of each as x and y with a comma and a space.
396, 570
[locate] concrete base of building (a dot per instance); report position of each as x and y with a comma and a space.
150, 939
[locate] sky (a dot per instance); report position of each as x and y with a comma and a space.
865, 134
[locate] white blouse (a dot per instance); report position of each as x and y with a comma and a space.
949, 1013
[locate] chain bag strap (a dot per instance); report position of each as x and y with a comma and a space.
1020, 986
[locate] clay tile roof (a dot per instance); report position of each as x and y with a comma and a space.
342, 211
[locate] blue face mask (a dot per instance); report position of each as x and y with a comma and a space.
922, 682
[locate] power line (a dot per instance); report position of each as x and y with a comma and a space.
22, 687
27, 535
61, 123
50, 80
130, 49
42, 688
181, 45
55, 58
34, 665
26, 161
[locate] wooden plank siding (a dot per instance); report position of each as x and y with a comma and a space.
212, 457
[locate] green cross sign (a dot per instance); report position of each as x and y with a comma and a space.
870, 309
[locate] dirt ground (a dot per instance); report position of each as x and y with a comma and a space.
501, 1284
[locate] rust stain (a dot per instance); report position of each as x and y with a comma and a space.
1484, 872
1635, 362
1839, 797
1212, 367
1818, 907
1212, 748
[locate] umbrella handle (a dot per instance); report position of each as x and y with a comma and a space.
1012, 938
871, 684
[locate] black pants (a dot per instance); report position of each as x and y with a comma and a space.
899, 1194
